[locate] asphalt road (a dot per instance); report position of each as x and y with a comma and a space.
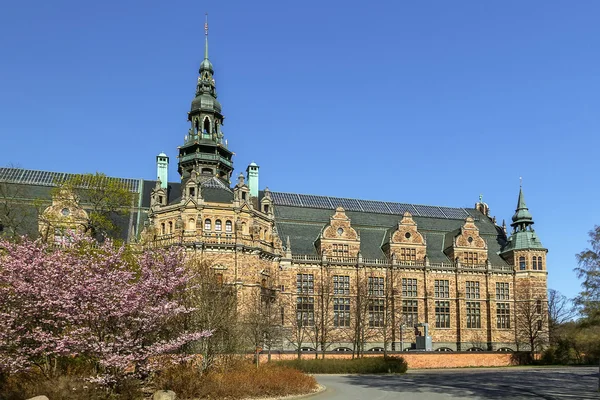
457, 384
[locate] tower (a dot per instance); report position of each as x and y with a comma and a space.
524, 249
162, 169
204, 149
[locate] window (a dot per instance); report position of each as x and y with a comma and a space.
503, 316
266, 209
305, 283
162, 228
218, 225
170, 227
410, 311
540, 263
538, 307
341, 285
522, 264
534, 263
305, 311
442, 314
408, 254
472, 290
228, 226
502, 291
340, 250
375, 286
473, 314
341, 312
539, 325
191, 224
207, 224
219, 278
376, 312
470, 258
441, 288
409, 287
243, 195
192, 192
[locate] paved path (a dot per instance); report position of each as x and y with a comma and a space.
457, 384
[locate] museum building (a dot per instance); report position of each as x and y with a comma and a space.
342, 273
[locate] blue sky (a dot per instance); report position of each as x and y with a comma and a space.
429, 102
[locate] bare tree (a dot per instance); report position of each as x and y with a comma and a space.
216, 309
531, 315
560, 310
298, 319
17, 214
321, 333
262, 321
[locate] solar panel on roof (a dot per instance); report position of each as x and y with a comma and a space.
429, 211
454, 213
286, 199
347, 204
47, 178
375, 206
315, 201
401, 208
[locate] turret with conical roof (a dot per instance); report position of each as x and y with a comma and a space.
204, 149
523, 248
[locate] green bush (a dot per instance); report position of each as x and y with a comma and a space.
366, 365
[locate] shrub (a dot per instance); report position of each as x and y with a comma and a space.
25, 385
366, 365
239, 381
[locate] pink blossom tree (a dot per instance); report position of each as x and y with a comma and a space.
116, 308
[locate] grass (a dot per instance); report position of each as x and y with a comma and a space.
367, 365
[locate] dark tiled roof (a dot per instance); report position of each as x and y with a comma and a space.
303, 225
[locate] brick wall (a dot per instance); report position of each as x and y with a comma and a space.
425, 360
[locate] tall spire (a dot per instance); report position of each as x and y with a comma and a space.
522, 217
206, 37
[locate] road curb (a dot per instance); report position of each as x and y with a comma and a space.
320, 389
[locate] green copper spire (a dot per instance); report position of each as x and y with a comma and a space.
206, 64
522, 217
523, 236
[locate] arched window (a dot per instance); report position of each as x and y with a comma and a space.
534, 264
228, 226
191, 224
218, 225
206, 125
197, 126
522, 264
540, 263
207, 224
244, 228
162, 228
170, 226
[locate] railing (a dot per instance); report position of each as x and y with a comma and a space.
206, 156
305, 257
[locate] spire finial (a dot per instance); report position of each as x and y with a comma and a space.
206, 36
480, 198
520, 181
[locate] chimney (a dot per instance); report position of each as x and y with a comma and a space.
252, 179
162, 169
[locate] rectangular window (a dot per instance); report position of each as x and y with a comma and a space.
470, 258
341, 285
341, 312
409, 287
408, 254
472, 290
441, 288
539, 325
473, 314
305, 311
502, 291
376, 286
305, 283
442, 314
503, 315
410, 311
376, 312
